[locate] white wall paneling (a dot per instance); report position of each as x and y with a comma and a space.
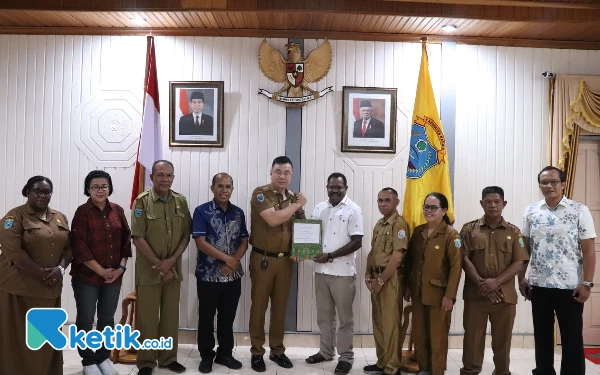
57, 93
502, 131
364, 64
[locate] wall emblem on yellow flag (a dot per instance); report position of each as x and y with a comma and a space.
295, 72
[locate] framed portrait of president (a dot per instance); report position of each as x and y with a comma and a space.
196, 114
369, 119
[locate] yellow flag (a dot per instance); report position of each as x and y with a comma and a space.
428, 168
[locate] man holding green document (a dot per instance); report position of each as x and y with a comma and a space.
335, 272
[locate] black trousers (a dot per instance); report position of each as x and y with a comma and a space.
545, 302
221, 298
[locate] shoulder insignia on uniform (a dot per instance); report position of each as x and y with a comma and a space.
457, 242
137, 212
401, 234
521, 242
58, 220
508, 237
8, 223
260, 198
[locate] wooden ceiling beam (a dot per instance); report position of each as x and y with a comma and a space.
508, 42
509, 3
505, 10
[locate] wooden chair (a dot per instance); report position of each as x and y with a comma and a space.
408, 362
129, 316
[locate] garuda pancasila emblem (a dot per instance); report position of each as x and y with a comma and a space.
296, 72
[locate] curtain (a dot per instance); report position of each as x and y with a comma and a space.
574, 105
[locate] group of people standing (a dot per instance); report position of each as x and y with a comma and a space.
424, 267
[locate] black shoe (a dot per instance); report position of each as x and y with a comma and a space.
258, 364
342, 368
373, 369
316, 358
175, 367
229, 362
145, 371
282, 360
205, 365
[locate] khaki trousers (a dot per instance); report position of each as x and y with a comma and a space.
274, 284
430, 327
387, 321
476, 315
335, 294
158, 316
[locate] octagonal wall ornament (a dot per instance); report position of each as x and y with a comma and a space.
109, 127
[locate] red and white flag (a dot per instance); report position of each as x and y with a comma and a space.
150, 146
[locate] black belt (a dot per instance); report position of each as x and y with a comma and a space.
269, 254
377, 269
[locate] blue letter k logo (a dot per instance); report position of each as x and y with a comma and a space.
44, 325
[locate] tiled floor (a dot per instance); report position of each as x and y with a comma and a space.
522, 362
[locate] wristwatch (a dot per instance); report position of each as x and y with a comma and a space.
62, 270
589, 284
380, 281
329, 258
123, 268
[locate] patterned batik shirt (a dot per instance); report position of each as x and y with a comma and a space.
554, 238
224, 230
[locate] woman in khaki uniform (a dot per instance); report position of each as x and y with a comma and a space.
434, 264
35, 253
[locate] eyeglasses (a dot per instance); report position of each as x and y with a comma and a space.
550, 183
429, 208
103, 188
40, 192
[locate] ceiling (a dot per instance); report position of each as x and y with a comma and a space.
542, 23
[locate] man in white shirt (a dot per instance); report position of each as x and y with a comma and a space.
559, 233
335, 273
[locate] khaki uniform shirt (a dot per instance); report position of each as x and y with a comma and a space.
492, 251
435, 264
162, 224
24, 236
262, 235
388, 235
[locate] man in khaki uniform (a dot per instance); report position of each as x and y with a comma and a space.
493, 253
385, 281
273, 209
160, 227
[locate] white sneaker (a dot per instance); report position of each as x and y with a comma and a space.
107, 368
91, 370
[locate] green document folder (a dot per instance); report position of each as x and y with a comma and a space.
307, 238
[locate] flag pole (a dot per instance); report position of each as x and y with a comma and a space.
142, 175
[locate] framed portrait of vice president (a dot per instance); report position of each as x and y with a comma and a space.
369, 119
196, 114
